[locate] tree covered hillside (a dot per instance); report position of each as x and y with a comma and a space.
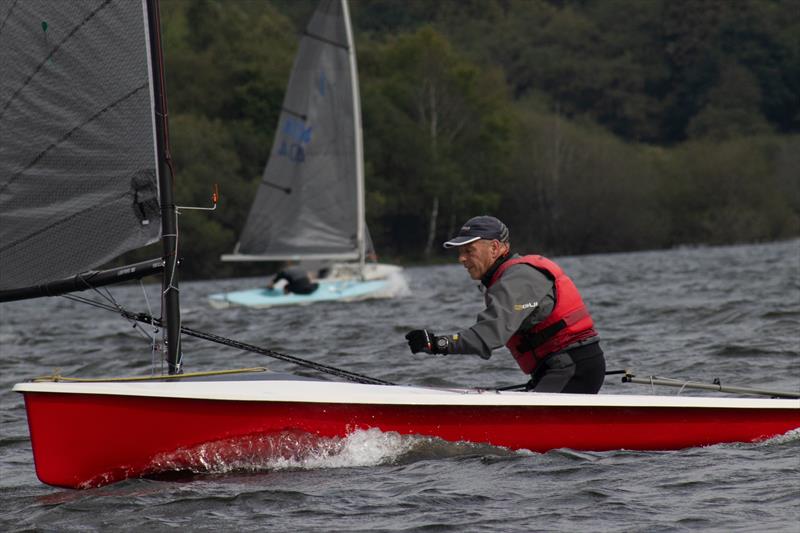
586, 125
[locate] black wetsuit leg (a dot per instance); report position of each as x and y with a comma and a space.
578, 371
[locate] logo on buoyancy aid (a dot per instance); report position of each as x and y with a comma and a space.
523, 307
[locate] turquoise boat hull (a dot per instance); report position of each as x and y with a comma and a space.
328, 291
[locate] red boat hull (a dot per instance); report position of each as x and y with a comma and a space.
85, 440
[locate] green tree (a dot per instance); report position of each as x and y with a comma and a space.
733, 107
579, 190
445, 112
728, 192
761, 35
534, 110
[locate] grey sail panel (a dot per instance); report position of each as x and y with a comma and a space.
369, 246
78, 172
307, 201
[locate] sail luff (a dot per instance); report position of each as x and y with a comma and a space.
169, 225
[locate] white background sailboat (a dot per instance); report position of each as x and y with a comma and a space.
310, 204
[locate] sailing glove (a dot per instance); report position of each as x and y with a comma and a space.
422, 340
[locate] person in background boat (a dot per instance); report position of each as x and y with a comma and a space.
298, 281
532, 308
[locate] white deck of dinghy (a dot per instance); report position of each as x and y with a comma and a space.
353, 393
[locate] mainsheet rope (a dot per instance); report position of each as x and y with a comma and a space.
148, 319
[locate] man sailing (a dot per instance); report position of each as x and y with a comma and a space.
532, 307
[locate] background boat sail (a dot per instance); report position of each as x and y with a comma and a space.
84, 91
310, 203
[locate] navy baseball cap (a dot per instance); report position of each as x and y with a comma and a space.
482, 227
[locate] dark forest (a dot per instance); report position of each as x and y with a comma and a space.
586, 125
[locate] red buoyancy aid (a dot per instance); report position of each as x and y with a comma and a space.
568, 322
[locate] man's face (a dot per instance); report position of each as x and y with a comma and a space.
479, 256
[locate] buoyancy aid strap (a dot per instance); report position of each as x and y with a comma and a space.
532, 340
574, 316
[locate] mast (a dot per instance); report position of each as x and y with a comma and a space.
170, 296
359, 141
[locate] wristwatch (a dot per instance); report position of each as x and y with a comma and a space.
441, 344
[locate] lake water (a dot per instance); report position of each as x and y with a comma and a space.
731, 313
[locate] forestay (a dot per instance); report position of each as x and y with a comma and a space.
78, 172
310, 201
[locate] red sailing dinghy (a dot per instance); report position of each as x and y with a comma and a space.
87, 434
110, 138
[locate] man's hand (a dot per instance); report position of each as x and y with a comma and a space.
422, 340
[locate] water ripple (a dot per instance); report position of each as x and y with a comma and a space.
731, 313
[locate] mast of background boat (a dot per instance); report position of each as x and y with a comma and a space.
170, 306
359, 141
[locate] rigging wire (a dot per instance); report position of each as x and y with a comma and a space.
149, 319
154, 343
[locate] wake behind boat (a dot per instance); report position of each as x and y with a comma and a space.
310, 204
83, 184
